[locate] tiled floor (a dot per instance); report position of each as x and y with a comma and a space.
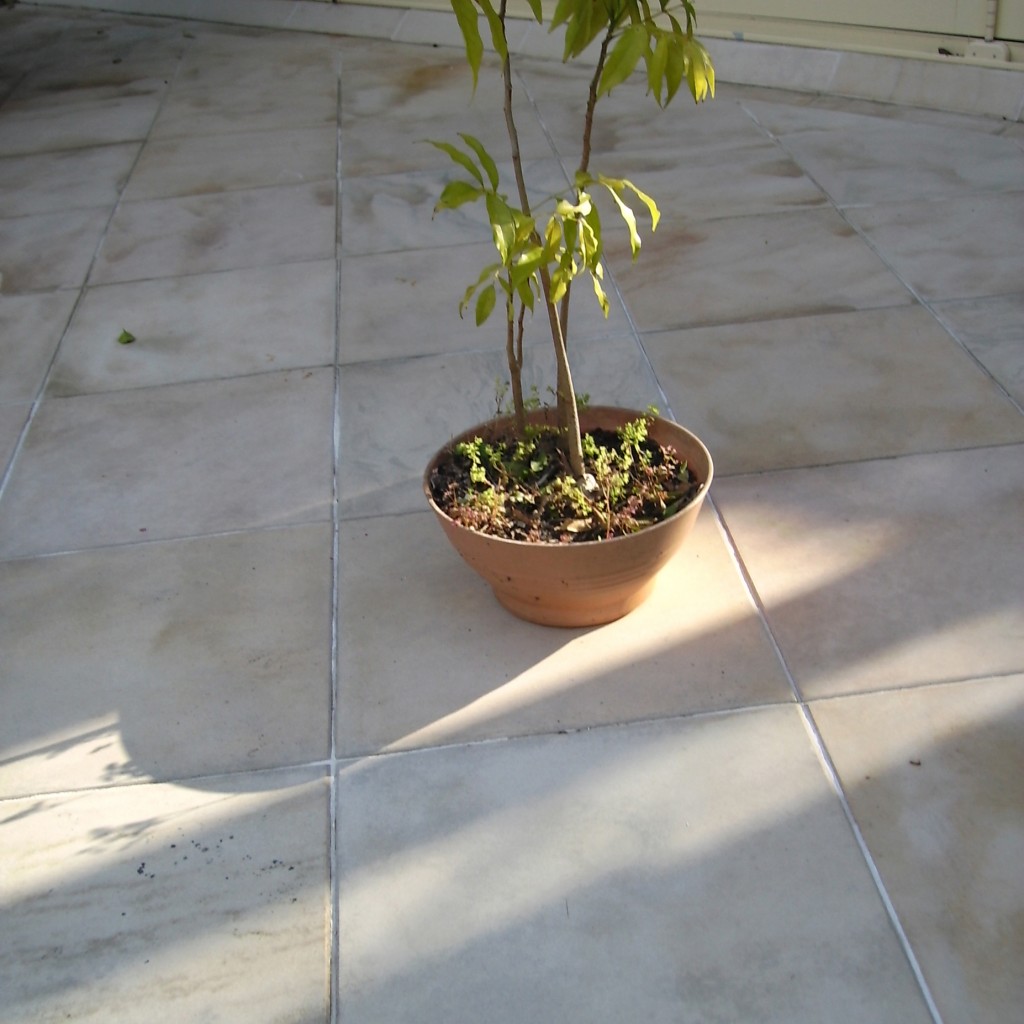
268, 752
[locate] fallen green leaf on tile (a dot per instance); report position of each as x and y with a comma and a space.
125, 338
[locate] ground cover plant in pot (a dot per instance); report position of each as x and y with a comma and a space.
567, 510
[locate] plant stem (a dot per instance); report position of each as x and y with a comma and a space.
588, 128
568, 414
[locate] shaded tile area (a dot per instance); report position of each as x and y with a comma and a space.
400, 304
507, 881
935, 775
198, 234
993, 330
963, 247
209, 901
44, 251
198, 327
893, 573
875, 160
823, 389
13, 417
43, 182
753, 268
30, 330
237, 625
203, 164
465, 671
186, 459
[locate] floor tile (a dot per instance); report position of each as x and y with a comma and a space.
199, 165
515, 881
993, 330
176, 659
205, 903
779, 265
49, 250
96, 117
199, 234
400, 304
467, 670
890, 573
256, 95
823, 389
71, 179
726, 179
13, 417
396, 414
628, 120
396, 211
199, 327
933, 777
394, 99
30, 330
893, 160
963, 247
172, 462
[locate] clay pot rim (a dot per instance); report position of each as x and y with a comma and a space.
547, 413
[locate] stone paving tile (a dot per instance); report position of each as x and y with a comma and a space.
198, 234
44, 251
205, 164
605, 871
172, 462
901, 572
195, 901
992, 329
30, 330
198, 327
934, 776
962, 247
67, 180
175, 659
822, 389
753, 268
466, 671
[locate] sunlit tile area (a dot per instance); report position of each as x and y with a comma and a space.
270, 752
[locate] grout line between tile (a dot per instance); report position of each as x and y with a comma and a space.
831, 773
333, 868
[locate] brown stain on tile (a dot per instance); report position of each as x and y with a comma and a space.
417, 81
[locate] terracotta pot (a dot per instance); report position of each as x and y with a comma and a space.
586, 583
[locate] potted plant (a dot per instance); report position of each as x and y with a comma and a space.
569, 511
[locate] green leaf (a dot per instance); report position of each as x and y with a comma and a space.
700, 72
656, 64
485, 304
457, 193
536, 11
125, 338
465, 14
602, 298
485, 158
503, 226
632, 45
497, 28
464, 160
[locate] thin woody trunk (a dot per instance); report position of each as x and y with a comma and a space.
568, 414
588, 128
